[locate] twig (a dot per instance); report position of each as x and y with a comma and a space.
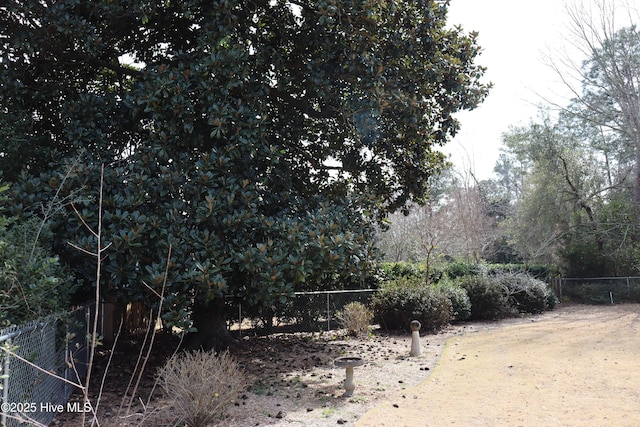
152, 327
135, 369
106, 369
93, 410
24, 418
94, 332
12, 354
151, 289
155, 383
73, 245
95, 234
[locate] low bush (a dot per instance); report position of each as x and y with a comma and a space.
402, 300
506, 294
527, 294
201, 385
355, 317
460, 302
488, 298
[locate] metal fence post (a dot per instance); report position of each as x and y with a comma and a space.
328, 314
240, 319
560, 287
5, 383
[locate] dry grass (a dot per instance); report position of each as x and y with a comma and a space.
201, 385
355, 317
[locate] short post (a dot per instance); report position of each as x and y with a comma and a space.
415, 338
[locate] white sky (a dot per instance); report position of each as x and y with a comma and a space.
515, 36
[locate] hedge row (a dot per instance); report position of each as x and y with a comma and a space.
453, 270
407, 298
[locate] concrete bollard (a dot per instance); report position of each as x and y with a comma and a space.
415, 339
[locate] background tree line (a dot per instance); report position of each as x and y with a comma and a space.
567, 185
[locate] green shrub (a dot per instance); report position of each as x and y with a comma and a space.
460, 302
506, 294
526, 293
488, 297
552, 298
539, 271
355, 317
459, 269
402, 300
396, 270
33, 283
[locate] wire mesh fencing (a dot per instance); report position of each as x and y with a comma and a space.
599, 290
43, 359
310, 311
37, 359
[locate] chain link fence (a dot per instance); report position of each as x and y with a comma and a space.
306, 311
39, 352
46, 351
598, 290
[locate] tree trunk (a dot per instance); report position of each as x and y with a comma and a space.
211, 324
636, 185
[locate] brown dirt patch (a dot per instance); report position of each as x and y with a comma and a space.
537, 370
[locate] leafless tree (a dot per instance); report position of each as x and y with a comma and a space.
601, 69
454, 224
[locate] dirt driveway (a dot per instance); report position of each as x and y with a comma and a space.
577, 366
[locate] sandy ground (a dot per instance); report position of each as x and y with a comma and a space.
576, 366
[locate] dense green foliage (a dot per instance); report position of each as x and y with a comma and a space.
476, 291
458, 268
506, 294
460, 302
33, 283
395, 270
489, 300
259, 140
526, 293
402, 300
542, 272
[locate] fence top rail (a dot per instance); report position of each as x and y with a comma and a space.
600, 278
21, 331
341, 291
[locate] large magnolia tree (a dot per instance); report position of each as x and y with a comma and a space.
259, 139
